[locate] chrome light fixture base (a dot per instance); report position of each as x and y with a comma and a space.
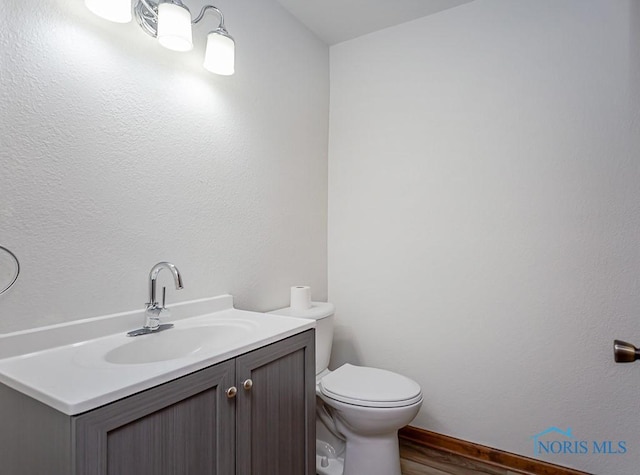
146, 14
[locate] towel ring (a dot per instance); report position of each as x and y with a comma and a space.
16, 271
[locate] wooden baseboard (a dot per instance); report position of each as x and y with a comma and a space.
488, 455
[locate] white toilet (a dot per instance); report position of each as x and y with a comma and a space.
359, 409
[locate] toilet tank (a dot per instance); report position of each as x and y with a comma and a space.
322, 313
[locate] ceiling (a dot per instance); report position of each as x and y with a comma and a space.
335, 21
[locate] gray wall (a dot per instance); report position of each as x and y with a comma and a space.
484, 217
117, 153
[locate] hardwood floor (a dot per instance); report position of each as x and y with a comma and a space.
417, 460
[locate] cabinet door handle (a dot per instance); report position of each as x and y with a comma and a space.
231, 392
248, 384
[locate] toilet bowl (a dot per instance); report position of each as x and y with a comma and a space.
368, 406
359, 409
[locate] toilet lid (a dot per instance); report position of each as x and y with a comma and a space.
370, 387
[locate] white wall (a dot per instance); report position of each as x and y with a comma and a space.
484, 218
116, 154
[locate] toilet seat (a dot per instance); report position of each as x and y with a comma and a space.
370, 387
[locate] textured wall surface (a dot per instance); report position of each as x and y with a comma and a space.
484, 218
116, 153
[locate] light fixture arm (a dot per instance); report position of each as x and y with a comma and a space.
204, 10
152, 9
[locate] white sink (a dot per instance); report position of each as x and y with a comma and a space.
177, 343
78, 366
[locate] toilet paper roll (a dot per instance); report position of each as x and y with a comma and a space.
300, 297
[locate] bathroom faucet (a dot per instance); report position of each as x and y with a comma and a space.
154, 310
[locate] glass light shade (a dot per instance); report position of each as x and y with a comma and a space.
174, 27
118, 11
219, 57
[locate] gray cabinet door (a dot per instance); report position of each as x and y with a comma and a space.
184, 427
276, 417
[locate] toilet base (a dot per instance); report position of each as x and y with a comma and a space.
329, 451
372, 455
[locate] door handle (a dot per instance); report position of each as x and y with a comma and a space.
624, 352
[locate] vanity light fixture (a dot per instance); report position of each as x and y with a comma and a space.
170, 22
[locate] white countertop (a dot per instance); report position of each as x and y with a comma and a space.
64, 366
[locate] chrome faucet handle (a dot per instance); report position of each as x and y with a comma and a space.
155, 312
152, 317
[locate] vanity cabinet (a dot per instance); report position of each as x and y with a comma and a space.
194, 425
184, 426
